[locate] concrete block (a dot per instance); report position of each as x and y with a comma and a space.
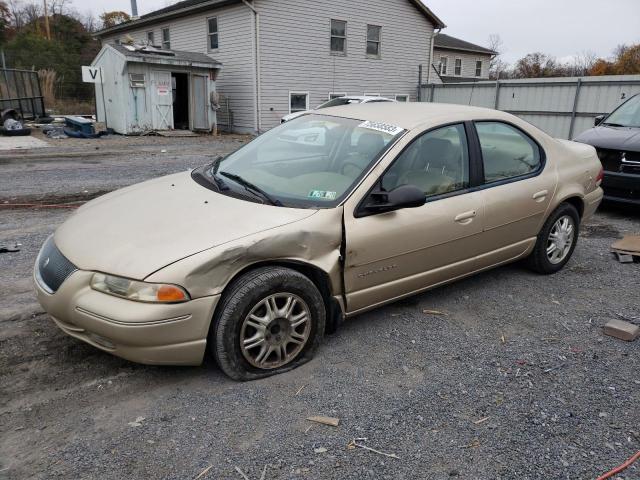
622, 330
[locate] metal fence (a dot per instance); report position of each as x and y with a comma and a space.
20, 89
562, 107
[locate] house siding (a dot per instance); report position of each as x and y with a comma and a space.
236, 53
468, 62
295, 51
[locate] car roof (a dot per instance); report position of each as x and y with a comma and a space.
363, 98
415, 114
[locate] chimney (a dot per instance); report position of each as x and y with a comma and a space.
134, 9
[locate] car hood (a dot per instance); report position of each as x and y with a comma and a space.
136, 231
612, 138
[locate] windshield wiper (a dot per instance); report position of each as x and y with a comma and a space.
253, 188
613, 124
214, 174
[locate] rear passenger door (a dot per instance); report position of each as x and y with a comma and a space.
517, 189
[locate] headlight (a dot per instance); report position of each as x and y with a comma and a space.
138, 291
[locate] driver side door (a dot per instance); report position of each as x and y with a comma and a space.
395, 254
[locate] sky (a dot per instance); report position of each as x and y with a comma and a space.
561, 28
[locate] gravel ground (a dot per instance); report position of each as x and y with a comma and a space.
514, 380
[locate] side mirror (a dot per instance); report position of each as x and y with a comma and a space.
598, 120
404, 196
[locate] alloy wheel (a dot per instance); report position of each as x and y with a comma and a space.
275, 331
560, 239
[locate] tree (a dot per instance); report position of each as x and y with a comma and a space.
497, 67
5, 22
111, 19
625, 61
536, 65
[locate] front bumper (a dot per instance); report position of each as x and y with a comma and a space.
154, 334
622, 187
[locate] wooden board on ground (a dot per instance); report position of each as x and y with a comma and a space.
177, 133
627, 248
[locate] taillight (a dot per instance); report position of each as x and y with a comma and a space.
600, 177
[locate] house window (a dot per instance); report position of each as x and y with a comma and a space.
212, 31
166, 39
374, 34
333, 95
478, 68
338, 37
402, 98
150, 40
443, 65
458, 68
298, 102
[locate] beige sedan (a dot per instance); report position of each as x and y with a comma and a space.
254, 257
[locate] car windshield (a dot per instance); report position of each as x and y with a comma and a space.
626, 115
310, 162
336, 102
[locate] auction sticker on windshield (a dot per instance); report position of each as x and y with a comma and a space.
322, 195
381, 127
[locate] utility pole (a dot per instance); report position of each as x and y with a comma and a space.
46, 21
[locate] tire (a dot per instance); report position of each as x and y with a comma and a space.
248, 303
541, 260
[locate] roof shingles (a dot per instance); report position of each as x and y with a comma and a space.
448, 42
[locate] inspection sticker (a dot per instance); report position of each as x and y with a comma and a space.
381, 127
322, 195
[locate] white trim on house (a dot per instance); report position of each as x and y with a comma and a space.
371, 94
456, 72
163, 42
299, 93
373, 56
480, 64
333, 95
444, 66
210, 34
339, 53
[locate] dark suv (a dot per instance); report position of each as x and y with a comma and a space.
617, 138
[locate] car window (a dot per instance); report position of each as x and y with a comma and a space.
506, 151
311, 161
437, 162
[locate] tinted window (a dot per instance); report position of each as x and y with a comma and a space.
506, 151
437, 162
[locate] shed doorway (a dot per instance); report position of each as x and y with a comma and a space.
180, 87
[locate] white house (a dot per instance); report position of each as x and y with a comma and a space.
457, 60
281, 56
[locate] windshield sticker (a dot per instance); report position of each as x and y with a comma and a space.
322, 195
382, 127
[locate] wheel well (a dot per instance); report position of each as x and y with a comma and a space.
319, 278
577, 203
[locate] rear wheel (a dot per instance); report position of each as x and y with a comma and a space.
269, 321
556, 241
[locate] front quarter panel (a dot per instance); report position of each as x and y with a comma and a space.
315, 240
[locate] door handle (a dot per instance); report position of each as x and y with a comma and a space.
540, 196
466, 217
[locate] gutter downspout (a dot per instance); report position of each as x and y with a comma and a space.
431, 54
256, 16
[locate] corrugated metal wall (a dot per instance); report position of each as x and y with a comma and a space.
562, 107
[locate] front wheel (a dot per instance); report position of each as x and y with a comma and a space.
269, 321
556, 241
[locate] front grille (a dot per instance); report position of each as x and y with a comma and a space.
611, 159
53, 268
619, 162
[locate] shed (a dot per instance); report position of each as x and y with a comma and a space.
145, 88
